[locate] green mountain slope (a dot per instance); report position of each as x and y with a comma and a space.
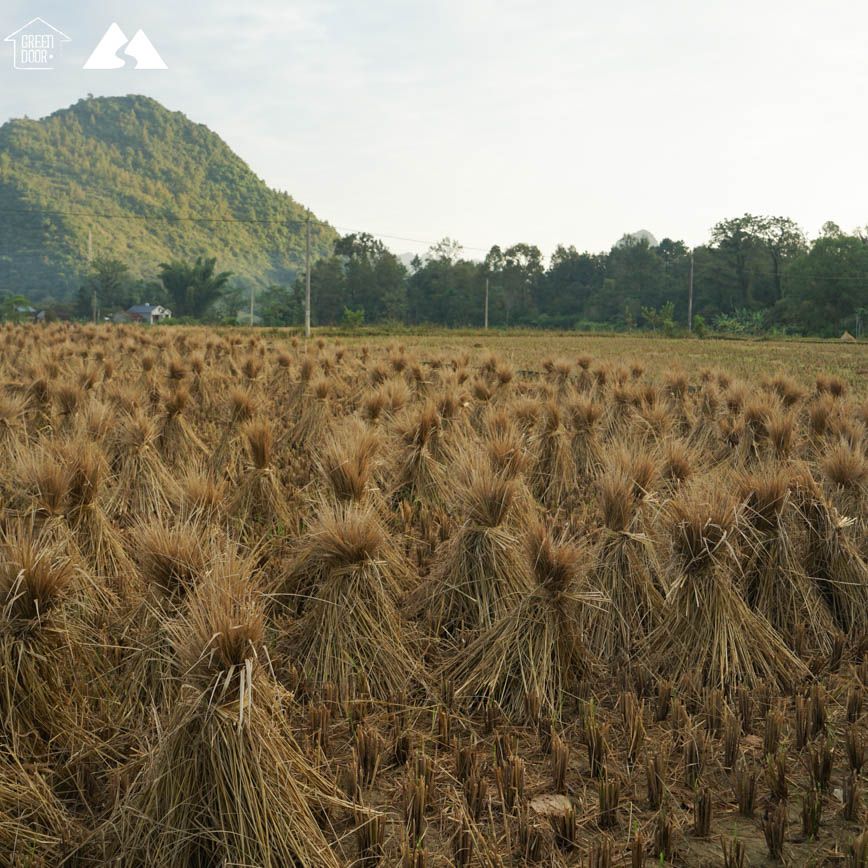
129, 173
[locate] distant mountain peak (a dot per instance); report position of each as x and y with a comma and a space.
636, 238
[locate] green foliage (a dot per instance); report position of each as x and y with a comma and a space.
108, 280
153, 168
700, 327
192, 289
16, 308
152, 192
352, 319
740, 322
361, 275
280, 306
662, 320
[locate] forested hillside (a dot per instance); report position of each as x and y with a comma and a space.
132, 174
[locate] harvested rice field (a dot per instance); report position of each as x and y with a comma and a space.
446, 601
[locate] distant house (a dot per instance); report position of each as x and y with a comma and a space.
149, 313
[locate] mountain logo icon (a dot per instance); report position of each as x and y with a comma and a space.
140, 48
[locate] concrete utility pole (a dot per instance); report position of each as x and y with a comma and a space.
486, 304
89, 263
690, 297
251, 304
307, 280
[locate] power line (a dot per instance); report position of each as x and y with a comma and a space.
292, 222
264, 220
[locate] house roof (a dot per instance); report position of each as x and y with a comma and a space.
43, 24
145, 308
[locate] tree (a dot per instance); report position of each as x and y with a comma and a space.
327, 290
784, 240
827, 286
571, 280
280, 306
737, 241
374, 278
110, 280
447, 248
192, 289
15, 308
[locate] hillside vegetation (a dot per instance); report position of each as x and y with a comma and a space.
151, 169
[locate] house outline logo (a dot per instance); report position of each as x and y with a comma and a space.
140, 48
36, 50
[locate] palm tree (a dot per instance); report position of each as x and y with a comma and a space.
193, 288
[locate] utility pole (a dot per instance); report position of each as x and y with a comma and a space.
307, 280
251, 304
89, 263
690, 297
486, 304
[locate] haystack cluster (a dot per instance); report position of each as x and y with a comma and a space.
265, 603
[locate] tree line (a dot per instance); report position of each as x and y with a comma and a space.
756, 274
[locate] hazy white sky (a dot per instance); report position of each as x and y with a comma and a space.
497, 122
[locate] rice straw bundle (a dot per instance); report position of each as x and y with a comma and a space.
679, 463
201, 499
178, 443
45, 643
846, 471
315, 419
584, 416
622, 572
226, 458
619, 413
775, 583
754, 437
171, 561
12, 430
259, 500
35, 828
706, 625
552, 472
345, 581
481, 572
142, 486
97, 541
348, 464
536, 648
44, 482
419, 473
831, 559
226, 783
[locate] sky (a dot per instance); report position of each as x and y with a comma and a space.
501, 122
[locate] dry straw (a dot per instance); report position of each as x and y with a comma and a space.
344, 582
225, 782
706, 624
481, 572
536, 649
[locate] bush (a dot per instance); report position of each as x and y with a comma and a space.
700, 327
352, 319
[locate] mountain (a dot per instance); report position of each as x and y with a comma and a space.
129, 175
637, 238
